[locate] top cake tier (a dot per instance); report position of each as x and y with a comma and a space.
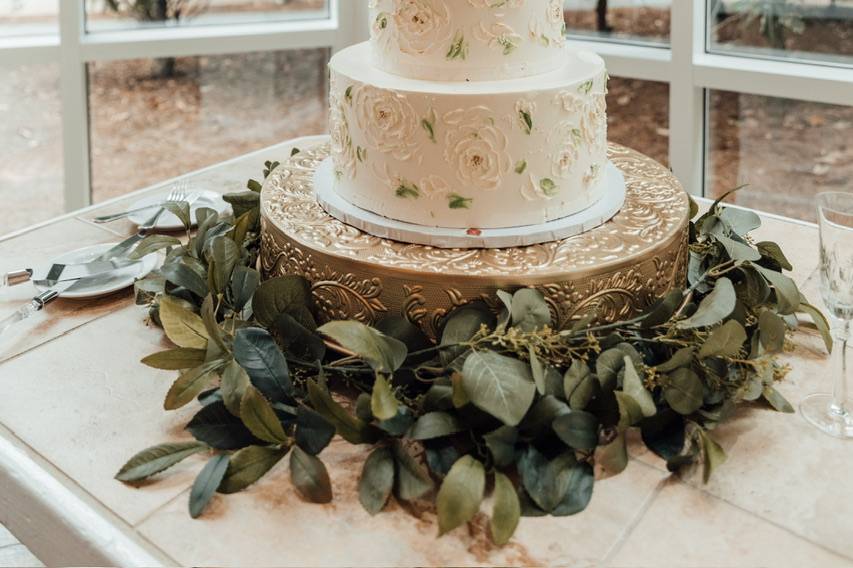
467, 40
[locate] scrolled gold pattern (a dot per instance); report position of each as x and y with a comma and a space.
614, 271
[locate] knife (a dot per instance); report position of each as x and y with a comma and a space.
56, 290
63, 272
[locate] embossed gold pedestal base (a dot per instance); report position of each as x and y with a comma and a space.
614, 271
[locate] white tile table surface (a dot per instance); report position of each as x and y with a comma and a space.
75, 404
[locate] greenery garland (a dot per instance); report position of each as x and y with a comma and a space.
504, 401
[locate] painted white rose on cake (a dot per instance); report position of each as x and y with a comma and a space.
476, 148
496, 3
386, 119
342, 149
564, 140
421, 26
498, 36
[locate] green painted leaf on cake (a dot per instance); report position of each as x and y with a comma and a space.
457, 201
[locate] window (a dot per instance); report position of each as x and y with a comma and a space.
28, 18
639, 21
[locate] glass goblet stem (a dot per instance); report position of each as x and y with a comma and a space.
840, 336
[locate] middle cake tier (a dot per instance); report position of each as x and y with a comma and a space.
487, 155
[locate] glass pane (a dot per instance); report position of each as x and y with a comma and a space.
645, 21
638, 116
787, 151
31, 138
814, 30
155, 119
28, 17
107, 15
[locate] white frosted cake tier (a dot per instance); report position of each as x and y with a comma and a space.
483, 155
467, 40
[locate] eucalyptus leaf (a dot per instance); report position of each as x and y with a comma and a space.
724, 341
249, 465
684, 391
501, 444
714, 308
776, 400
664, 433
681, 358
633, 387
435, 425
529, 310
786, 292
613, 457
579, 491
579, 385
663, 310
499, 385
738, 250
820, 322
578, 429
546, 482
310, 477
506, 511
206, 483
741, 221
384, 354
461, 494
156, 459
772, 330
713, 455
774, 252
377, 480
462, 325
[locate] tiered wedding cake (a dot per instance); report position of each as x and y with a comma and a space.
468, 114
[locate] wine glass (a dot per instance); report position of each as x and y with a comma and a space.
832, 413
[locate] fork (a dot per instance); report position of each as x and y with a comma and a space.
116, 216
177, 195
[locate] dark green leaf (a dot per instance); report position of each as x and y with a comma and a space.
787, 294
684, 391
772, 330
403, 330
285, 295
383, 405
541, 416
578, 429
152, 244
714, 308
349, 427
461, 326
461, 494
545, 481
725, 341
258, 354
435, 425
633, 387
400, 424
537, 368
614, 456
310, 477
259, 417
189, 385
738, 250
579, 385
313, 432
175, 359
182, 275
630, 412
249, 465
773, 251
579, 491
411, 481
682, 358
377, 480
384, 354
233, 384
663, 433
157, 459
529, 310
298, 340
820, 322
663, 310
244, 282
776, 400
225, 254
499, 385
206, 483
220, 429
713, 455
242, 202
501, 444
440, 454
608, 366
506, 511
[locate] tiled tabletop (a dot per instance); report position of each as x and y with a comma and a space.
75, 404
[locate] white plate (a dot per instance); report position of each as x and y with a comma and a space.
168, 221
126, 278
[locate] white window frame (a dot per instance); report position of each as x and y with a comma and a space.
685, 66
691, 71
73, 49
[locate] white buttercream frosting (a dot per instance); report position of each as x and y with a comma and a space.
486, 154
467, 40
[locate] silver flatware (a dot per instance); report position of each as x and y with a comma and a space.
177, 195
116, 216
55, 291
59, 272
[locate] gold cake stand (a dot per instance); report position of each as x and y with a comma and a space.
614, 271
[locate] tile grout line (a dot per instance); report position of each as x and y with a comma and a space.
148, 516
635, 521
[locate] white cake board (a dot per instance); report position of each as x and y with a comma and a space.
597, 214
